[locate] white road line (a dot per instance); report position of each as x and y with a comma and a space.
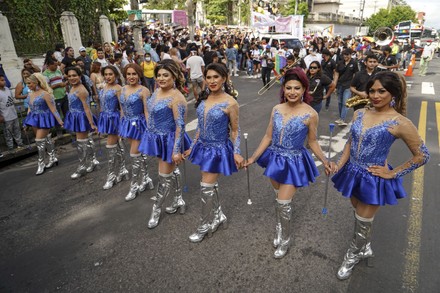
338, 143
428, 88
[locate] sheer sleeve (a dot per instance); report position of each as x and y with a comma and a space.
235, 127
408, 133
179, 112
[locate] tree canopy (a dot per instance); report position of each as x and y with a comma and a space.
385, 18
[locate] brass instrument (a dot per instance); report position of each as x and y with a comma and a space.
383, 36
268, 85
356, 101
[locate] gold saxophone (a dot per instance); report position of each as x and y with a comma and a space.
355, 101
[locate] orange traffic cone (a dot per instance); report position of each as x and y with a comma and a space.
409, 71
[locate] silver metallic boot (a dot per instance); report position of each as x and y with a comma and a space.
277, 239
50, 146
123, 173
136, 169
41, 147
111, 172
91, 155
81, 147
147, 182
285, 212
178, 202
360, 247
206, 196
219, 216
163, 190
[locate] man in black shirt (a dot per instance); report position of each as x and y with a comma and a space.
328, 66
68, 60
345, 70
359, 83
389, 60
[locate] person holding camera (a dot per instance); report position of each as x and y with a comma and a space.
267, 64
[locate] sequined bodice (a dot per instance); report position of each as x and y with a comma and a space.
370, 146
160, 115
108, 101
75, 103
289, 134
132, 105
213, 123
39, 105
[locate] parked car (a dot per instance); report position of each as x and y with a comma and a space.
290, 41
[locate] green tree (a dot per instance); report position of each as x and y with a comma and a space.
165, 4
289, 8
385, 18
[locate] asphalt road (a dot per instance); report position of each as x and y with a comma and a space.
71, 236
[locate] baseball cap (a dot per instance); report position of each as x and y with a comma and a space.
267, 46
82, 49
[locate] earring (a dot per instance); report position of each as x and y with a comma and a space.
174, 85
223, 87
393, 102
302, 98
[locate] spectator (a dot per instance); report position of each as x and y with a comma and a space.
29, 65
55, 80
86, 60
58, 53
148, 68
21, 89
195, 66
231, 58
68, 60
101, 57
11, 128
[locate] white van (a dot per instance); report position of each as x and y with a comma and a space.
289, 40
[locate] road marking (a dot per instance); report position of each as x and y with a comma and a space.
437, 111
412, 253
428, 88
338, 143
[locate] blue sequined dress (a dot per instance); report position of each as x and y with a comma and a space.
286, 160
213, 151
76, 118
159, 139
40, 115
109, 118
133, 122
370, 147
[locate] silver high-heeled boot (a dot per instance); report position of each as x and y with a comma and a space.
50, 146
206, 196
123, 173
284, 208
163, 190
81, 147
277, 239
147, 182
135, 172
178, 202
41, 147
360, 247
111, 172
219, 216
91, 155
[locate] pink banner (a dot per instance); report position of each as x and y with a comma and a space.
283, 24
179, 17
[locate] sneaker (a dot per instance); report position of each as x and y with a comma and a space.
338, 121
236, 75
343, 123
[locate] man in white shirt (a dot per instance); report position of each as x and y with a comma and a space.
195, 66
428, 53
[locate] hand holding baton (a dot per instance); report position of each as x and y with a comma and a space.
249, 202
324, 209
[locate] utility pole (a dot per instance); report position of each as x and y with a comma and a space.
191, 9
137, 28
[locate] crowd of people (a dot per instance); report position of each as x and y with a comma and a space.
139, 97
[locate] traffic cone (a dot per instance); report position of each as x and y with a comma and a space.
409, 71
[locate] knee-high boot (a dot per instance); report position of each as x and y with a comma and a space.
147, 182
41, 147
206, 196
277, 239
360, 247
135, 172
111, 172
284, 209
81, 147
123, 173
50, 146
91, 155
163, 190
178, 202
219, 216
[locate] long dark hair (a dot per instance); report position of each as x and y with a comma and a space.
171, 66
81, 75
296, 74
138, 71
395, 84
221, 69
115, 71
319, 69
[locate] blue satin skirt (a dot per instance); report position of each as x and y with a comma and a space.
132, 128
108, 122
216, 157
293, 167
162, 145
354, 180
78, 122
40, 120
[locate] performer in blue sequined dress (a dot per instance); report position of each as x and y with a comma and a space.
133, 98
364, 175
165, 136
79, 119
108, 123
216, 146
42, 116
282, 153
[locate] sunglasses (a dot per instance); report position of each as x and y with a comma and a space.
312, 67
